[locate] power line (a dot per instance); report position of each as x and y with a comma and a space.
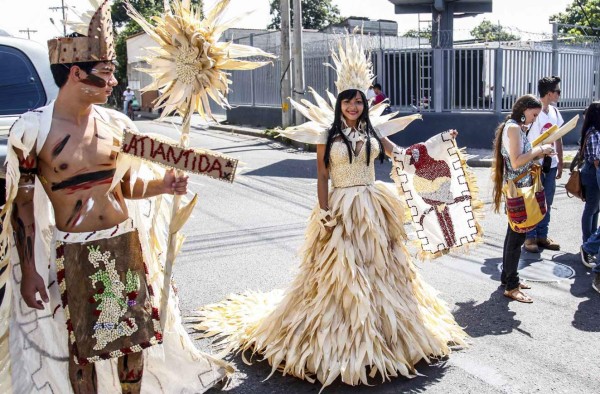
28, 30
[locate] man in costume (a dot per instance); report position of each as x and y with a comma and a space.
87, 250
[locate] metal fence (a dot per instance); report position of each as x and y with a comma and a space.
456, 79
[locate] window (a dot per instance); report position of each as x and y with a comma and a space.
20, 86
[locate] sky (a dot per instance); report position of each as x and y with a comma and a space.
520, 15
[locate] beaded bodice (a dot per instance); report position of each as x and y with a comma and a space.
346, 174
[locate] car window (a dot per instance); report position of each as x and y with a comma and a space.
20, 86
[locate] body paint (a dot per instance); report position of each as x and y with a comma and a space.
85, 181
58, 148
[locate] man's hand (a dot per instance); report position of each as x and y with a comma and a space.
174, 184
31, 284
559, 170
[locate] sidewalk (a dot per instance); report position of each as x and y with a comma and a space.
478, 157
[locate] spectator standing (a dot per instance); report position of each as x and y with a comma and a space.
590, 178
590, 175
128, 96
549, 93
514, 156
379, 95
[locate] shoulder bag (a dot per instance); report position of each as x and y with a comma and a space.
525, 206
574, 186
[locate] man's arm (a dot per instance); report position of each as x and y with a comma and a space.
23, 222
170, 184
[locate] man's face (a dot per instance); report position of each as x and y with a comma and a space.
98, 83
555, 94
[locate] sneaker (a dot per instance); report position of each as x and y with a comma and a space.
547, 243
596, 282
531, 245
586, 258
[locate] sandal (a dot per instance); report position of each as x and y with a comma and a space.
518, 295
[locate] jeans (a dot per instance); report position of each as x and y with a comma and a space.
590, 177
510, 258
549, 183
592, 246
125, 104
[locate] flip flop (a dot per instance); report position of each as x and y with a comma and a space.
518, 295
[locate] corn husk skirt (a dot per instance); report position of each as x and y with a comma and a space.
357, 308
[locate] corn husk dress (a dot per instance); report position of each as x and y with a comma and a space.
358, 308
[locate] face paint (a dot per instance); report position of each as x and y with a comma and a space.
94, 80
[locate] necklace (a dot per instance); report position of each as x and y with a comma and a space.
354, 135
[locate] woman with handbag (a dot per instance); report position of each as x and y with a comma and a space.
589, 173
513, 160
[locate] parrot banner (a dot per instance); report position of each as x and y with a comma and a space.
441, 193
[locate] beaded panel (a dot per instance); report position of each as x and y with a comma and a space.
106, 297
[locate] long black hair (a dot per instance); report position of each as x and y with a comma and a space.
591, 119
337, 126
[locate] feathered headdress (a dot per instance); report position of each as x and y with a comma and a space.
96, 45
352, 65
354, 71
191, 64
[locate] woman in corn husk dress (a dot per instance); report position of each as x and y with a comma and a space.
358, 308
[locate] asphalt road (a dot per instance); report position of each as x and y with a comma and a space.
245, 235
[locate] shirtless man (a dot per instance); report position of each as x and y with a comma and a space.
76, 165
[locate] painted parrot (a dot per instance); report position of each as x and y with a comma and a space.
432, 180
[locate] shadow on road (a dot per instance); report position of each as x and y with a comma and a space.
251, 381
587, 315
491, 317
290, 168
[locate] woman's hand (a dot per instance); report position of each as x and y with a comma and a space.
546, 150
453, 133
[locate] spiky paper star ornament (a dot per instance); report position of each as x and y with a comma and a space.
190, 65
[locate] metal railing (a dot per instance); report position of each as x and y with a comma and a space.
463, 79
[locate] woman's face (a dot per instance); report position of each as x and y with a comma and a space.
352, 109
531, 114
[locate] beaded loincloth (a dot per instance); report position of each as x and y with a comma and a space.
106, 297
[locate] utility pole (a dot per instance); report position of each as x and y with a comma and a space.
63, 8
298, 58
554, 48
28, 30
286, 82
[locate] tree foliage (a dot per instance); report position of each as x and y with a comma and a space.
488, 31
583, 13
316, 14
414, 33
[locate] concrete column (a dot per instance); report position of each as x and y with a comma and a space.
498, 81
298, 59
286, 81
438, 80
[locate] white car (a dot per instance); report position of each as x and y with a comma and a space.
25, 82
